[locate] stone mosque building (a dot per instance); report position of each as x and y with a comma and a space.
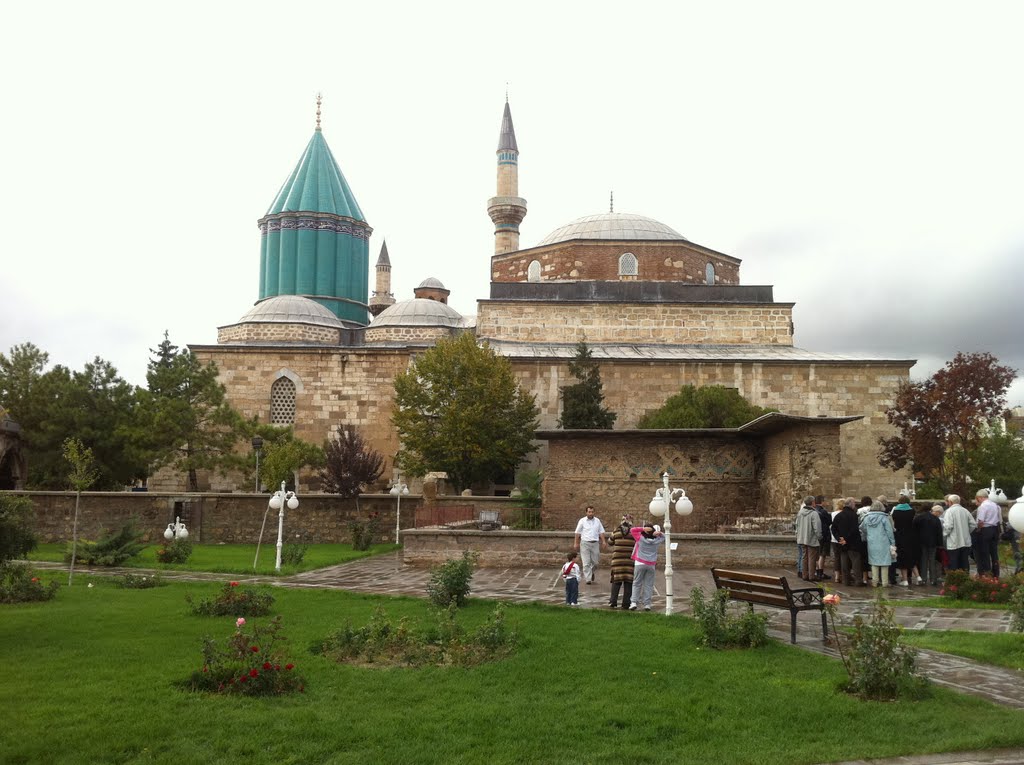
318, 352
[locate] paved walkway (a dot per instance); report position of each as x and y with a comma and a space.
386, 575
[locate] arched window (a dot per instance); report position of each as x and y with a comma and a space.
709, 273
282, 402
533, 272
628, 265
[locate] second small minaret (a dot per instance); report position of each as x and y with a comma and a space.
382, 295
507, 209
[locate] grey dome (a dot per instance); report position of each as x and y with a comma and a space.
613, 226
291, 309
418, 312
431, 283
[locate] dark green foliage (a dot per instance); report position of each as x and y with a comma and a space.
249, 663
459, 409
583, 402
531, 500
366, 532
140, 581
880, 666
721, 629
284, 456
18, 584
293, 553
175, 551
1017, 610
445, 643
16, 537
960, 585
112, 550
707, 406
349, 464
233, 600
449, 582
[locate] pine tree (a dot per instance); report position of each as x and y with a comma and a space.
582, 402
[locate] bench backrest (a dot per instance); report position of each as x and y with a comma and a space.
754, 588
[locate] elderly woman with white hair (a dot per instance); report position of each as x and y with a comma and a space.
876, 528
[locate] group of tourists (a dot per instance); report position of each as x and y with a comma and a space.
634, 552
867, 542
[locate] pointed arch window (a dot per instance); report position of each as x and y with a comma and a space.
709, 273
533, 272
282, 402
628, 265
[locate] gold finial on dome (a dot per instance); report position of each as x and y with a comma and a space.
319, 98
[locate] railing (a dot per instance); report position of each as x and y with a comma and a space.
437, 515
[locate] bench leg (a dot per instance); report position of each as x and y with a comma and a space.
824, 626
792, 631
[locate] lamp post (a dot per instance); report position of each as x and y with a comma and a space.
278, 501
659, 507
398, 489
906, 492
1016, 514
257, 445
176, 531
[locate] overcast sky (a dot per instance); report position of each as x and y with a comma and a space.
866, 159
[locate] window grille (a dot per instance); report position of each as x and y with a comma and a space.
282, 402
533, 272
628, 265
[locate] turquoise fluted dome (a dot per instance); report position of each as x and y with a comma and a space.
317, 185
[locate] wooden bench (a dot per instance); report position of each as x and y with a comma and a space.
772, 591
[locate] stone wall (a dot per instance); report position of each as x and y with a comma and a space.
212, 518
619, 475
547, 549
274, 332
641, 323
392, 334
800, 462
656, 261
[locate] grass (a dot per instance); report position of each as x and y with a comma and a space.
233, 559
89, 678
1003, 649
939, 601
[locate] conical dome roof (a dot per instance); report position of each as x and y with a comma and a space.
317, 185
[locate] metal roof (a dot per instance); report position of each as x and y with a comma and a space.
383, 259
613, 226
290, 309
773, 422
418, 312
507, 136
317, 185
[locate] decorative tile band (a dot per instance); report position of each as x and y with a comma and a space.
334, 225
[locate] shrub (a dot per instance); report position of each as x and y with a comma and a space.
880, 667
19, 585
526, 519
1017, 610
234, 600
720, 629
139, 581
364, 533
449, 582
442, 644
16, 537
293, 553
250, 663
113, 550
175, 551
959, 585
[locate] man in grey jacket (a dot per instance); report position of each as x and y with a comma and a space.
957, 525
808, 537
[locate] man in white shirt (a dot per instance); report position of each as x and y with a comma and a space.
589, 541
986, 538
957, 525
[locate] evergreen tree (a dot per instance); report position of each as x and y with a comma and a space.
191, 425
582, 402
459, 409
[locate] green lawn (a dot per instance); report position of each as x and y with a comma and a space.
938, 601
1004, 649
233, 559
89, 678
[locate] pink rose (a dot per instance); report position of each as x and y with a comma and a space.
240, 622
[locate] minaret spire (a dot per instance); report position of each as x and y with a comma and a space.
382, 294
507, 209
611, 201
319, 98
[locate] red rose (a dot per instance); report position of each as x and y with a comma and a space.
36, 579
255, 649
254, 672
243, 679
234, 584
206, 669
267, 665
289, 666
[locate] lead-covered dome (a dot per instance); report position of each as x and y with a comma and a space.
418, 312
613, 226
284, 320
291, 309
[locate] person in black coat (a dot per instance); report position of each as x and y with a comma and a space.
824, 549
845, 528
928, 532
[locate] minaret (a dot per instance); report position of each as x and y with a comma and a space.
382, 295
507, 209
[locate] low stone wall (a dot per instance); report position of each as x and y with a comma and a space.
500, 549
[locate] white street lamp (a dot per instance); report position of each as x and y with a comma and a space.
398, 490
659, 507
278, 501
176, 531
1016, 516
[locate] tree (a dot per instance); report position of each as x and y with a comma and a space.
940, 421
191, 425
349, 464
459, 409
285, 456
707, 406
998, 455
16, 536
582, 402
82, 475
